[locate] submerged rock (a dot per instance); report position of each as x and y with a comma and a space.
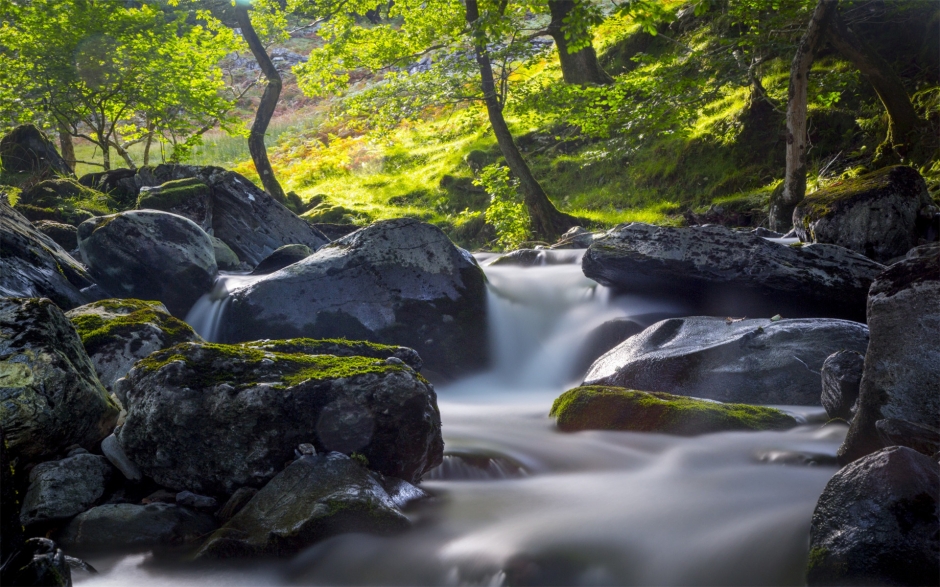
189, 198
125, 527
59, 490
748, 361
723, 272
150, 255
841, 375
26, 149
213, 418
901, 379
51, 397
875, 214
876, 523
312, 499
118, 333
616, 408
281, 258
32, 265
396, 282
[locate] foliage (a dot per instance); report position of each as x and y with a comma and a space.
506, 212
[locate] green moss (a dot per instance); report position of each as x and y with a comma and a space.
172, 194
823, 201
360, 458
126, 317
326, 346
615, 408
63, 200
817, 556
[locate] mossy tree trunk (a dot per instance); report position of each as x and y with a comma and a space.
903, 122
547, 222
66, 146
272, 91
794, 183
580, 67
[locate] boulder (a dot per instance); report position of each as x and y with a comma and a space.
114, 452
748, 361
718, 271
235, 503
129, 527
576, 238
312, 499
51, 397
189, 198
923, 439
841, 375
32, 265
118, 183
60, 490
616, 408
876, 523
340, 348
601, 340
396, 282
64, 235
63, 200
150, 255
118, 333
281, 258
197, 502
26, 149
212, 418
876, 214
225, 257
901, 378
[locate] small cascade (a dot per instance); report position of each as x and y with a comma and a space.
206, 314
475, 467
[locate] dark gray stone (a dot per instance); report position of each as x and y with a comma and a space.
150, 255
901, 380
189, 198
312, 499
235, 503
26, 149
50, 397
32, 265
721, 272
902, 433
197, 502
281, 258
230, 416
875, 214
576, 238
841, 375
749, 361
225, 257
395, 282
59, 490
64, 235
37, 562
112, 450
128, 527
876, 523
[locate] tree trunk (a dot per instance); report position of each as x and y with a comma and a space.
272, 91
794, 183
580, 67
903, 121
547, 221
65, 144
124, 155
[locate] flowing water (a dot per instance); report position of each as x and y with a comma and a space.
517, 502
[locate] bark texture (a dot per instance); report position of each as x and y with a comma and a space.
65, 144
579, 67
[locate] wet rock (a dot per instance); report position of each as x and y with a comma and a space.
32, 265
841, 375
117, 333
225, 257
26, 149
11, 529
340, 348
748, 361
312, 499
51, 397
129, 527
59, 490
401, 492
235, 503
875, 214
248, 409
876, 523
602, 339
576, 238
765, 233
722, 272
923, 439
521, 258
38, 562
150, 255
476, 466
114, 452
196, 502
396, 282
616, 408
64, 235
63, 200
189, 198
281, 258
901, 379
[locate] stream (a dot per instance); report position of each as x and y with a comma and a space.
518, 503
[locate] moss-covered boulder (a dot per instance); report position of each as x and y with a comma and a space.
879, 215
63, 200
150, 254
225, 257
281, 258
118, 333
330, 214
188, 197
212, 418
64, 235
33, 265
50, 397
26, 149
314, 498
617, 408
341, 348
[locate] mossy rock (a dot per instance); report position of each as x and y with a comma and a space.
617, 408
63, 200
330, 214
340, 347
172, 194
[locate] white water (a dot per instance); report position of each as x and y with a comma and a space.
206, 314
591, 508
